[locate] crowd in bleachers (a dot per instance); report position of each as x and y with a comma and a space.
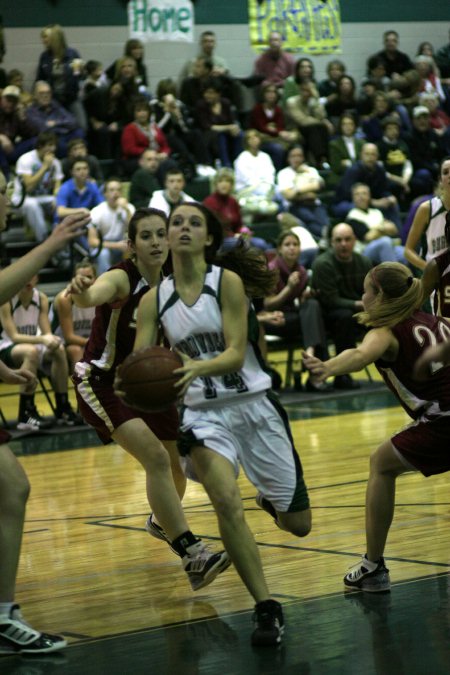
305, 156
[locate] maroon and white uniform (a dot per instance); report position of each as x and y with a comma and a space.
442, 295
111, 341
425, 444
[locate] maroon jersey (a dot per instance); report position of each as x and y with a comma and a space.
113, 330
442, 295
430, 399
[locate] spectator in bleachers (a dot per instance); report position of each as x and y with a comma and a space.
70, 323
141, 134
328, 87
191, 87
255, 177
133, 49
208, 43
222, 203
303, 74
47, 114
372, 126
426, 152
439, 120
300, 185
79, 193
267, 117
338, 277
110, 219
147, 178
443, 59
41, 175
302, 319
344, 100
217, 120
94, 78
274, 65
394, 154
27, 341
376, 73
370, 171
344, 149
173, 118
61, 67
309, 116
109, 110
309, 247
429, 81
173, 195
395, 61
16, 78
374, 233
77, 148
17, 135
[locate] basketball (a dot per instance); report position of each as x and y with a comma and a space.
147, 378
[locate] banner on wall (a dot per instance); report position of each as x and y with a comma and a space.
308, 26
161, 20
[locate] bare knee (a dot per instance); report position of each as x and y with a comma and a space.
298, 523
383, 461
227, 503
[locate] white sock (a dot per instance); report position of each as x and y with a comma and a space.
5, 608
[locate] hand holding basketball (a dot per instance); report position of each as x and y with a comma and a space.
146, 379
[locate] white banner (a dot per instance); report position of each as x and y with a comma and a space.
161, 20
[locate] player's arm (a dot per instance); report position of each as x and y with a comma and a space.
430, 278
414, 235
112, 286
147, 321
377, 342
14, 277
63, 307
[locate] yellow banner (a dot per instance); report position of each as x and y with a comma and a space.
308, 26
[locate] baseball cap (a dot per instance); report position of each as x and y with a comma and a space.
12, 91
420, 110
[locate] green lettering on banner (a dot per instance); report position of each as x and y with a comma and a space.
184, 14
139, 16
154, 13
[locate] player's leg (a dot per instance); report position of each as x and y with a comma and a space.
27, 356
74, 354
179, 477
370, 573
137, 439
201, 565
15, 635
59, 376
14, 491
385, 466
217, 475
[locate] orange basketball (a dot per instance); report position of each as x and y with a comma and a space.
147, 378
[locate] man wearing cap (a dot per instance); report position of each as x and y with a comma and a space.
12, 128
426, 151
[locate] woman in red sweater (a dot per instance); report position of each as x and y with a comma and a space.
268, 118
141, 134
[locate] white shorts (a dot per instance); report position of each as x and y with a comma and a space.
255, 435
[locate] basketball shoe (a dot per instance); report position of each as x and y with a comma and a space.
372, 577
31, 420
269, 624
156, 531
67, 417
16, 636
202, 565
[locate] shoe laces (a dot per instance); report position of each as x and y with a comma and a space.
197, 559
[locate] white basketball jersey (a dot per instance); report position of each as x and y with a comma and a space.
82, 318
26, 319
197, 332
434, 233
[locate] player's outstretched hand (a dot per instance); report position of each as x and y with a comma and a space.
78, 284
431, 360
316, 367
71, 227
187, 373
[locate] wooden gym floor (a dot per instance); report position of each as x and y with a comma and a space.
89, 570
